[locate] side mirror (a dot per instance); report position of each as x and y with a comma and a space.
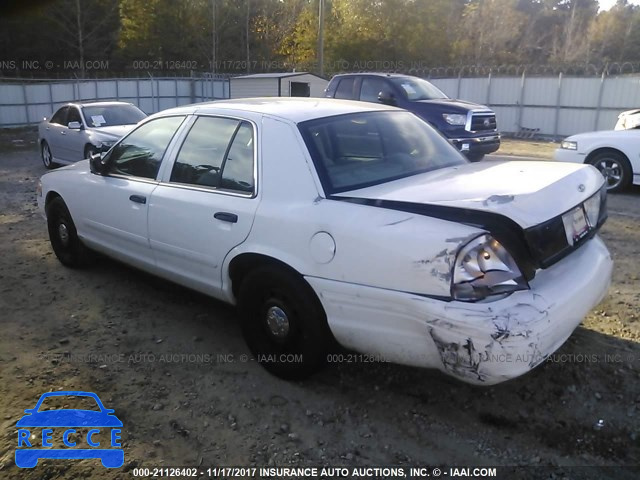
387, 98
75, 126
97, 164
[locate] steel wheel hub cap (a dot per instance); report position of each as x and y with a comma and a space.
278, 322
63, 234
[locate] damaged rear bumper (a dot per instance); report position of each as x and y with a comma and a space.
481, 343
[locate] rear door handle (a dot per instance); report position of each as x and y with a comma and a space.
138, 199
226, 217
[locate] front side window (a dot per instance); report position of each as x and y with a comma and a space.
73, 116
60, 116
363, 149
371, 88
140, 153
218, 153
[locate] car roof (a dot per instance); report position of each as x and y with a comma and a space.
295, 110
97, 104
375, 74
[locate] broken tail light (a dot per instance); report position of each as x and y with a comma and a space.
483, 269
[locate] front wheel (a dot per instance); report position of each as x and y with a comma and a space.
283, 323
63, 236
615, 169
47, 157
89, 150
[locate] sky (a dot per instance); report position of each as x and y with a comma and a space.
607, 4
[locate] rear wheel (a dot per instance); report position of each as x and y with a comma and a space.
47, 157
63, 236
615, 169
283, 322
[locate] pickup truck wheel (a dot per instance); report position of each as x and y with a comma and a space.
283, 323
475, 157
47, 157
63, 236
615, 169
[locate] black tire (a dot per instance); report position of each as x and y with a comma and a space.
47, 157
475, 157
63, 236
615, 169
89, 150
300, 348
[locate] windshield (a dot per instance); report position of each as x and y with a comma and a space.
109, 115
418, 89
359, 150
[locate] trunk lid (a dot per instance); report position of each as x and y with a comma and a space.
529, 193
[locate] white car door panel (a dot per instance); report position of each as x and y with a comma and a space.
117, 221
192, 231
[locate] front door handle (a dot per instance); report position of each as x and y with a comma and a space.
226, 217
138, 199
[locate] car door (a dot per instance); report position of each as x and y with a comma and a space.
115, 217
53, 133
73, 140
206, 204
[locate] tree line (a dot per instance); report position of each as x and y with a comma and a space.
100, 37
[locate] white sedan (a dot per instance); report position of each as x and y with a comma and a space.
328, 220
616, 153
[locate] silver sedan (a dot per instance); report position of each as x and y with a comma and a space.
77, 130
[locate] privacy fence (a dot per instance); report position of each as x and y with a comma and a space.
552, 106
26, 102
555, 106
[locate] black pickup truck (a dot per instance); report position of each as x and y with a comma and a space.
470, 127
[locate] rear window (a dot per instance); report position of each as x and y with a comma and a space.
363, 149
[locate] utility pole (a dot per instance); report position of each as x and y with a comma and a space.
320, 54
213, 37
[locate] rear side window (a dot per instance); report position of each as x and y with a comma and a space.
218, 153
345, 88
140, 153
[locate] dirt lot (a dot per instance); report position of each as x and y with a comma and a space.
161, 356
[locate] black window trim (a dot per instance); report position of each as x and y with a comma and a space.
166, 175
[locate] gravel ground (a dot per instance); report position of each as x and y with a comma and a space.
170, 362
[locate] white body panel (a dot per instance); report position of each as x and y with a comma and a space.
625, 141
383, 276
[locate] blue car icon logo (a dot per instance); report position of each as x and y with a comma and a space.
102, 438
